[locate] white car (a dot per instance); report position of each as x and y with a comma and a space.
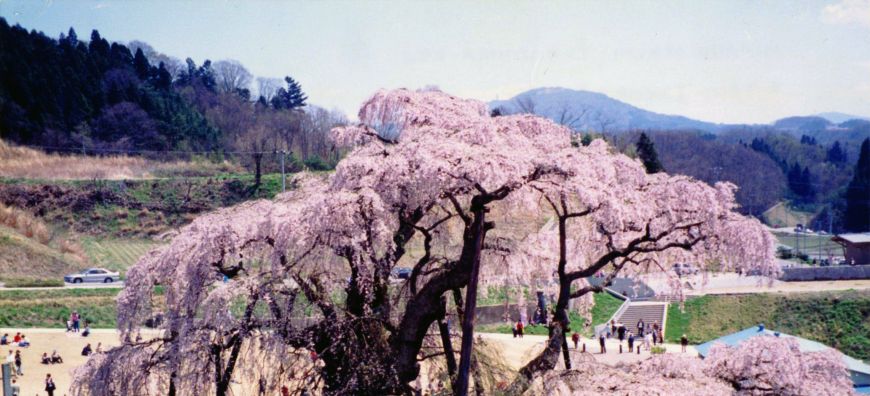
93, 275
685, 269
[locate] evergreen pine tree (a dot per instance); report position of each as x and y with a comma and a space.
807, 190
646, 150
836, 154
794, 179
72, 38
289, 98
141, 65
162, 79
295, 95
857, 215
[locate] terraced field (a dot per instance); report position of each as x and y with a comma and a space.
116, 254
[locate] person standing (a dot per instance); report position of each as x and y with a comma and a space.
612, 327
520, 329
10, 359
576, 338
49, 385
16, 390
630, 342
18, 365
601, 342
647, 340
684, 341
640, 325
620, 332
74, 318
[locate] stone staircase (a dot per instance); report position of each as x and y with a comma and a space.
649, 311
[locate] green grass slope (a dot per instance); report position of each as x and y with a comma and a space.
838, 319
116, 254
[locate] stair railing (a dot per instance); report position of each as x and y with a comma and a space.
625, 303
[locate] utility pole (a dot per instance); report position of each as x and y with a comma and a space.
819, 234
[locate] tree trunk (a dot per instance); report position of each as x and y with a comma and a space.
557, 341
444, 329
479, 232
566, 353
545, 361
258, 160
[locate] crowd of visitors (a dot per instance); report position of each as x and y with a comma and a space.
73, 325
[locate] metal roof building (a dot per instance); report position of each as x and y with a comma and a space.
858, 370
856, 247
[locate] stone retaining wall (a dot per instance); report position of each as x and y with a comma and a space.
839, 272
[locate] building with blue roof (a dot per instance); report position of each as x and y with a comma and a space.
858, 370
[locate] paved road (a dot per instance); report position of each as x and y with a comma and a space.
113, 285
730, 283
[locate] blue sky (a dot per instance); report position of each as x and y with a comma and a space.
722, 61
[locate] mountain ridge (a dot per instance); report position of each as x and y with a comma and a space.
583, 110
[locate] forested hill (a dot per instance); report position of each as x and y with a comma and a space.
67, 92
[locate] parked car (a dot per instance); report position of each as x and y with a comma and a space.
93, 275
685, 269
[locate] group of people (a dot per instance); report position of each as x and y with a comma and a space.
53, 359
87, 350
14, 359
651, 333
518, 329
73, 324
648, 335
19, 340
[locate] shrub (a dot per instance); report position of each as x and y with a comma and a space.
657, 350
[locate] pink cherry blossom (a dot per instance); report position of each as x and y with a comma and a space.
432, 182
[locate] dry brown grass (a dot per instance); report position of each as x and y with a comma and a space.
22, 162
25, 223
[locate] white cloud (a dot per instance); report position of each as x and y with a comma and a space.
848, 12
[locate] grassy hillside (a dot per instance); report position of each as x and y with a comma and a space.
24, 259
838, 319
116, 254
22, 162
51, 308
131, 208
781, 215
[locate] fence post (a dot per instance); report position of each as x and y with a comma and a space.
7, 379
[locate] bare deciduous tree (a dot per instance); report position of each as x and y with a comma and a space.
231, 76
570, 117
525, 105
266, 87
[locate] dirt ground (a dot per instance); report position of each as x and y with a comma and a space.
516, 351
68, 345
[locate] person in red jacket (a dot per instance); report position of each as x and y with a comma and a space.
520, 328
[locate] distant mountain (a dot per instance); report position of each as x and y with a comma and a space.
838, 118
584, 110
823, 130
806, 124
